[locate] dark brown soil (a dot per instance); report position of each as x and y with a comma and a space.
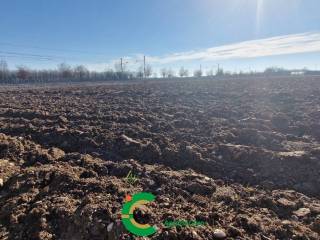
241, 155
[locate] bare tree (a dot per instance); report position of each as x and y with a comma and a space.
3, 70
183, 72
81, 72
170, 73
109, 74
220, 72
155, 75
197, 73
210, 73
23, 73
140, 72
120, 67
163, 72
148, 71
64, 70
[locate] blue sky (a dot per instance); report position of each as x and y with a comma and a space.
238, 34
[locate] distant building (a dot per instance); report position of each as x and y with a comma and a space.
310, 72
299, 73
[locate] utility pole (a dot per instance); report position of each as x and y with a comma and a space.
121, 64
144, 66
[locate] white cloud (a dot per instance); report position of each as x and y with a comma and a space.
280, 45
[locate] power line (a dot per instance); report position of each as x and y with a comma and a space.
28, 55
40, 56
52, 49
56, 58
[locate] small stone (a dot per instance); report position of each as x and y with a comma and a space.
44, 235
315, 209
56, 153
233, 232
129, 140
165, 204
1, 182
253, 225
110, 226
150, 182
302, 212
201, 189
265, 238
286, 223
219, 234
165, 199
189, 148
316, 225
195, 235
63, 119
283, 202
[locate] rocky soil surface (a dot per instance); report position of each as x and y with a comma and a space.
243, 156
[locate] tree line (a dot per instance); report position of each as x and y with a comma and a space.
66, 73
63, 73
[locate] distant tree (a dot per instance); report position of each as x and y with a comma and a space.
81, 72
155, 75
140, 72
119, 68
148, 71
130, 75
183, 72
23, 73
186, 73
209, 73
46, 75
275, 71
4, 72
109, 74
229, 73
197, 73
34, 76
65, 71
220, 72
163, 72
121, 72
170, 73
